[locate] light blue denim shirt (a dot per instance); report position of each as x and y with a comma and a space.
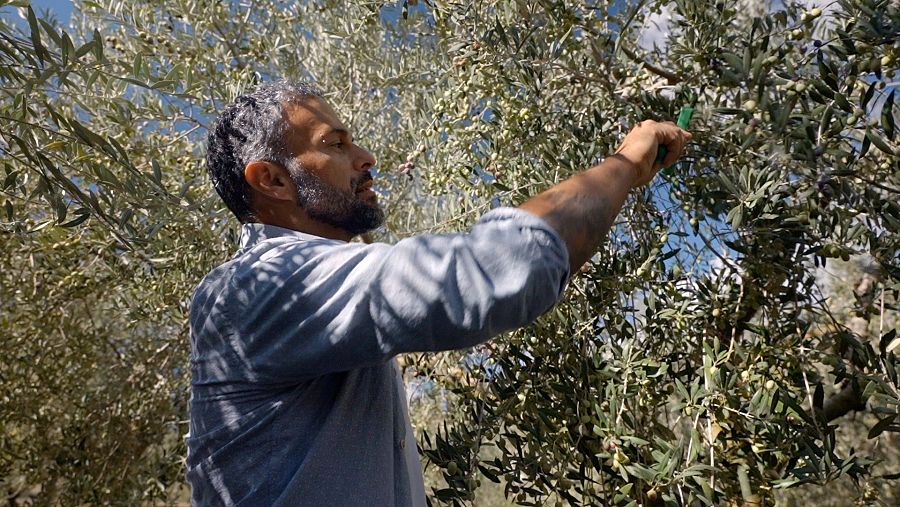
296, 399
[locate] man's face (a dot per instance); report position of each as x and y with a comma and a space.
330, 172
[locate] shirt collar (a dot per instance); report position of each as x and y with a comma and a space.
255, 233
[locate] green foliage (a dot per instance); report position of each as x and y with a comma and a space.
699, 358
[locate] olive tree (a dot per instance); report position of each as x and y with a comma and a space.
700, 357
696, 358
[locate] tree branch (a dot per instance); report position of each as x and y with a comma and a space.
235, 52
849, 399
671, 77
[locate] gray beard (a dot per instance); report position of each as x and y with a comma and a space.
335, 207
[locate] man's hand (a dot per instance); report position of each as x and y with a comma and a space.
582, 208
641, 144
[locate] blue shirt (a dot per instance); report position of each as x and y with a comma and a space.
296, 399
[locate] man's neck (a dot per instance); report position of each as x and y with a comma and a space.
325, 231
299, 221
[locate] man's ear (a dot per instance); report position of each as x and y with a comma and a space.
270, 179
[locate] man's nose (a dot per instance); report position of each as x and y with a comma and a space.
364, 159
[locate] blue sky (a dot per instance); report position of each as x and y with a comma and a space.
59, 7
62, 9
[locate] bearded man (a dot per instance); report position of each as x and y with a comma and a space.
296, 398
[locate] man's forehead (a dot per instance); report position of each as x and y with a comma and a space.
312, 118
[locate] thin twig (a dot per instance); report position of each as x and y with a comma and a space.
235, 52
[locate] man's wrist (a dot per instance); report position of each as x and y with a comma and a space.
626, 167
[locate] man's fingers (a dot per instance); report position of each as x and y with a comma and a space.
674, 150
643, 144
675, 147
670, 159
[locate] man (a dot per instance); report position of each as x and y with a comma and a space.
296, 399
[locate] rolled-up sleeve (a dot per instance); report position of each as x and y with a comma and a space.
303, 309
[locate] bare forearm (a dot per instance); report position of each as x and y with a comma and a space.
582, 208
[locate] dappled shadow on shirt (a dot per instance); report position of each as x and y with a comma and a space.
292, 309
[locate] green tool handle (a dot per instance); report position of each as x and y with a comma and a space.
684, 120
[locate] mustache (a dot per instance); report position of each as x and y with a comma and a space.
363, 179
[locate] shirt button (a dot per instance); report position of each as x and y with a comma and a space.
402, 443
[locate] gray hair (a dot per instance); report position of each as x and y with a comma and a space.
251, 128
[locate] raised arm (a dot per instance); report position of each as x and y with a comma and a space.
582, 208
300, 307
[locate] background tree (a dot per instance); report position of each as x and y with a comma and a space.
700, 357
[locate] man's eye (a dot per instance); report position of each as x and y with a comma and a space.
338, 144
